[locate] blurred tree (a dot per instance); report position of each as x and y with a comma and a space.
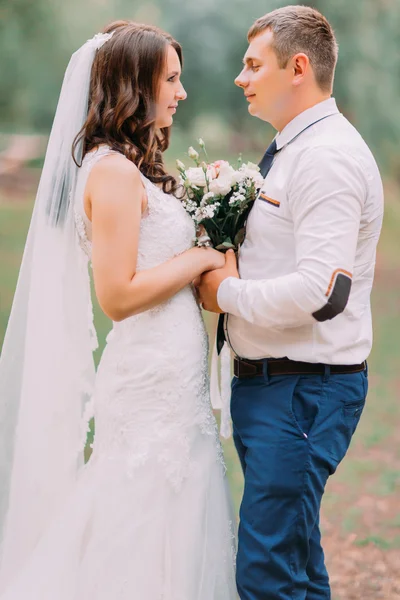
213, 36
31, 64
367, 85
36, 40
368, 73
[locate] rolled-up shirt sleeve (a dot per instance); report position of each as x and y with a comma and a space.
326, 196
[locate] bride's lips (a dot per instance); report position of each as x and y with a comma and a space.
173, 107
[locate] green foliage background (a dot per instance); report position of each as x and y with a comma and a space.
37, 39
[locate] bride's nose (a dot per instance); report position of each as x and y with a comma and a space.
181, 94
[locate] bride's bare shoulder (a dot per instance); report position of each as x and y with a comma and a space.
113, 178
115, 166
114, 175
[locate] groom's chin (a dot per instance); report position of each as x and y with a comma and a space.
253, 111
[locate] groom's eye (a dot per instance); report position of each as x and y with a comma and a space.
255, 67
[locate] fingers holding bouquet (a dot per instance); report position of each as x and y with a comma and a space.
209, 282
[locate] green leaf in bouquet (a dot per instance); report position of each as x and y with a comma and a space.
226, 245
239, 237
210, 225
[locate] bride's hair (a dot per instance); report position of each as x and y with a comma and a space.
123, 93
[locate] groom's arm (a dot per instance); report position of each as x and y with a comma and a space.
326, 197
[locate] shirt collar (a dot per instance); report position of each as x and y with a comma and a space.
304, 120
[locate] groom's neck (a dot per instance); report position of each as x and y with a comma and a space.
300, 104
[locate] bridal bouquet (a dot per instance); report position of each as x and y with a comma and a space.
219, 198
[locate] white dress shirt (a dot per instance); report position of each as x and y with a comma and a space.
307, 263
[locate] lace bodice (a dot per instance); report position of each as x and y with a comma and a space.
164, 214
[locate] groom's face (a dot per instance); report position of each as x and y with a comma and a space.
266, 86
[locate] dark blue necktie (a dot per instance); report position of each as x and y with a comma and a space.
267, 159
265, 165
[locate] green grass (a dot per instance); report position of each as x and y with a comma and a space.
377, 541
372, 467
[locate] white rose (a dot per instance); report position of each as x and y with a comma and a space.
196, 176
258, 179
221, 186
251, 167
227, 172
211, 172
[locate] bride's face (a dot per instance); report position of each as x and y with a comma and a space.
171, 90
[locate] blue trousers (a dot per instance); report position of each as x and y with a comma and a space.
290, 432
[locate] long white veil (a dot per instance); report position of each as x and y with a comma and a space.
46, 366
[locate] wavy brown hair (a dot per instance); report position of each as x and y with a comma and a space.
124, 87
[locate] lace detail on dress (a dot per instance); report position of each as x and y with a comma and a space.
163, 350
175, 459
206, 419
165, 231
228, 558
178, 391
231, 557
86, 246
81, 220
84, 242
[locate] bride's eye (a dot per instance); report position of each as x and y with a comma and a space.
173, 78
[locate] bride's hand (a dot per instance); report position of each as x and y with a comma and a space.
214, 259
207, 259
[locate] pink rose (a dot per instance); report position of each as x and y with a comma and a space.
218, 164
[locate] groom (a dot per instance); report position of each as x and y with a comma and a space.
298, 317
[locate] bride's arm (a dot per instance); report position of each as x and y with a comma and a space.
114, 200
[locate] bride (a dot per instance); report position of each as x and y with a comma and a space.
149, 516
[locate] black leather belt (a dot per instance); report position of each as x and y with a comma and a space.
246, 368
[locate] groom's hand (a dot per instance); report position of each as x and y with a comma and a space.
211, 280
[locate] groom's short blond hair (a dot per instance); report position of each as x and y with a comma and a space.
301, 29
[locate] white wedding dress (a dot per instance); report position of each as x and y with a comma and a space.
150, 517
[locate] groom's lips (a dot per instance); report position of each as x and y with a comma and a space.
249, 96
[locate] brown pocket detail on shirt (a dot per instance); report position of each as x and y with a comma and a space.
328, 291
269, 200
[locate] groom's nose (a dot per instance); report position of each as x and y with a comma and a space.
241, 80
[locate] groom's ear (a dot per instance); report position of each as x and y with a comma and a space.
300, 64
